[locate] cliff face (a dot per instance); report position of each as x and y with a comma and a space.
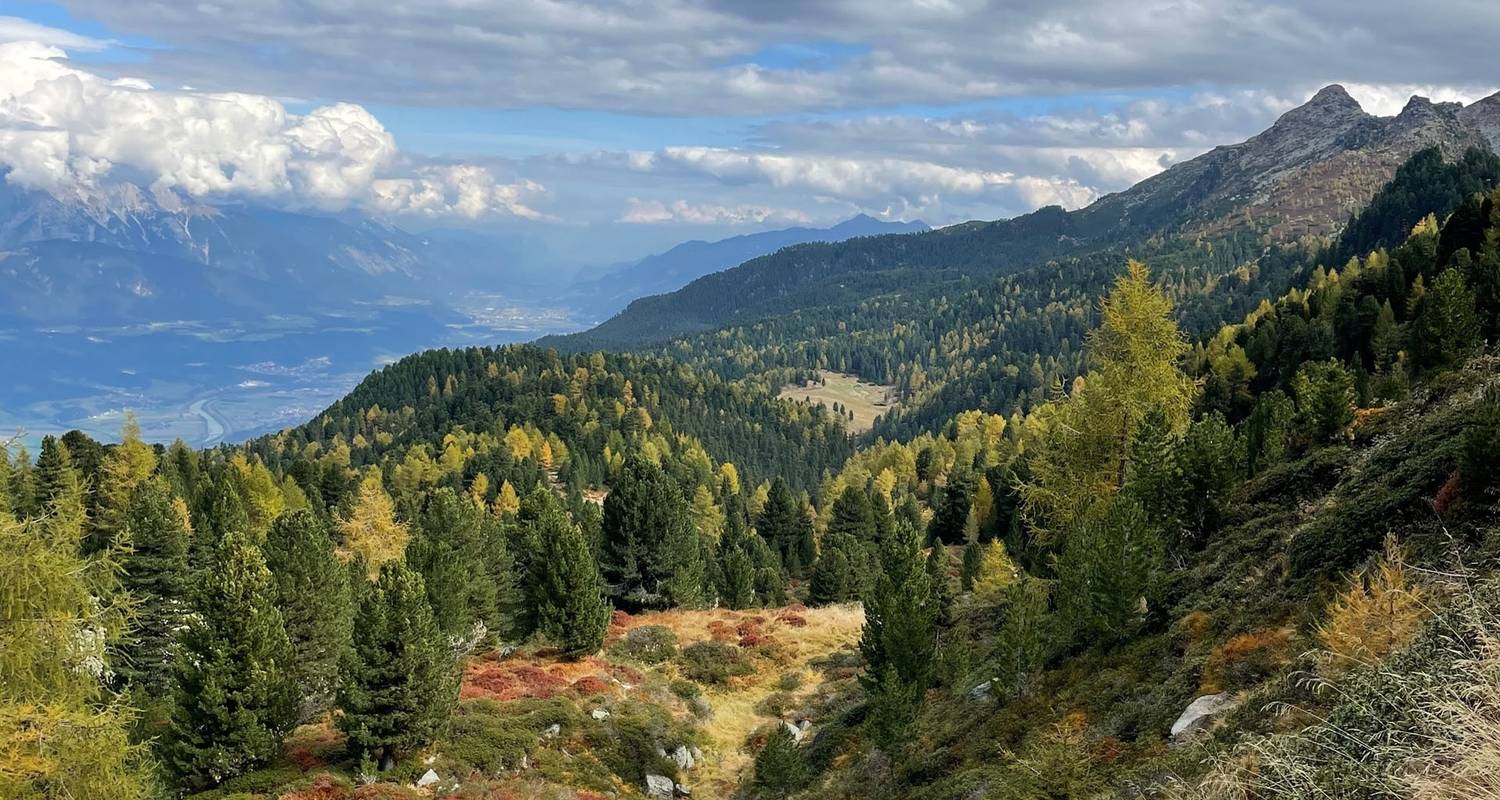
1309, 171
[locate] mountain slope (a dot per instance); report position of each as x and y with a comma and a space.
675, 268
1306, 174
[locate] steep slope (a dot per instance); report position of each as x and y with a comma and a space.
1311, 170
675, 268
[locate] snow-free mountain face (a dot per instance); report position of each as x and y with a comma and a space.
685, 263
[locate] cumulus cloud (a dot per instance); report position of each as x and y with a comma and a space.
730, 57
71, 132
655, 211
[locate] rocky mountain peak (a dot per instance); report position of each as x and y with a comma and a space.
1484, 117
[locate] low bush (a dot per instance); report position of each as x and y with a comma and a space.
648, 644
713, 663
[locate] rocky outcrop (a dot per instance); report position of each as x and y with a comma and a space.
1484, 117
1200, 714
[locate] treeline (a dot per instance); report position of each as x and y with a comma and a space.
228, 604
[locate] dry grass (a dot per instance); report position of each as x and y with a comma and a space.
788, 639
866, 400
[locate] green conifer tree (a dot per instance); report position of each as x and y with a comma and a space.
235, 695
900, 634
399, 681
448, 548
567, 591
312, 592
155, 574
779, 767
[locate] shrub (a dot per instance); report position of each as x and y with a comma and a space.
1379, 612
482, 737
1247, 659
713, 662
686, 690
789, 681
648, 644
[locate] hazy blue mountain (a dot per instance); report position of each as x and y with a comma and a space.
606, 294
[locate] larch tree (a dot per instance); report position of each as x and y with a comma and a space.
371, 530
1085, 450
128, 464
65, 735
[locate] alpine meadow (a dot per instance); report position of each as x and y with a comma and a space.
646, 399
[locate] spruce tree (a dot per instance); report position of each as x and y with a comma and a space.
737, 581
852, 515
1153, 480
235, 697
312, 591
1446, 330
399, 682
972, 563
832, 577
154, 573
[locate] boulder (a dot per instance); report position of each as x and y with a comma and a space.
682, 791
600, 714
659, 787
1200, 713
683, 757
794, 730
982, 691
552, 731
429, 778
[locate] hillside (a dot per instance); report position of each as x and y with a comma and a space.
1305, 175
663, 272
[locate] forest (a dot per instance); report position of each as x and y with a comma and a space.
1257, 485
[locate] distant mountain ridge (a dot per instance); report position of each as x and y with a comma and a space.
686, 262
1305, 175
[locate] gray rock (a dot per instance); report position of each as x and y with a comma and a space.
697, 754
682, 791
1200, 713
659, 787
803, 724
552, 731
683, 757
982, 691
429, 778
795, 731
600, 714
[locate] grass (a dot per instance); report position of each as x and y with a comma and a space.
866, 400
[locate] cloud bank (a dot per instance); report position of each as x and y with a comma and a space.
72, 133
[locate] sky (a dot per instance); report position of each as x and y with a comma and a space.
614, 127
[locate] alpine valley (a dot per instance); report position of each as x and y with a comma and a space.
1191, 492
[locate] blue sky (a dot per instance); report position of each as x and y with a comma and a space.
645, 122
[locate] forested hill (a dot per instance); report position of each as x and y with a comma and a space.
1305, 175
590, 407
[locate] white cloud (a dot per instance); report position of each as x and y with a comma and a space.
70, 132
640, 211
694, 57
1387, 100
15, 29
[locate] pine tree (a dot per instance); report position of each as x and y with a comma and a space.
1153, 480
737, 582
972, 563
399, 682
1208, 459
155, 574
566, 590
785, 525
650, 554
65, 736
235, 695
852, 516
951, 520
832, 576
447, 548
1104, 569
1325, 399
779, 767
312, 592
900, 633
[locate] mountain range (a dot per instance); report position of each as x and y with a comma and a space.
1305, 175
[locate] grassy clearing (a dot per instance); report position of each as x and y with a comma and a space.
866, 400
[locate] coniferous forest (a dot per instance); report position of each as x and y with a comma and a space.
1166, 515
